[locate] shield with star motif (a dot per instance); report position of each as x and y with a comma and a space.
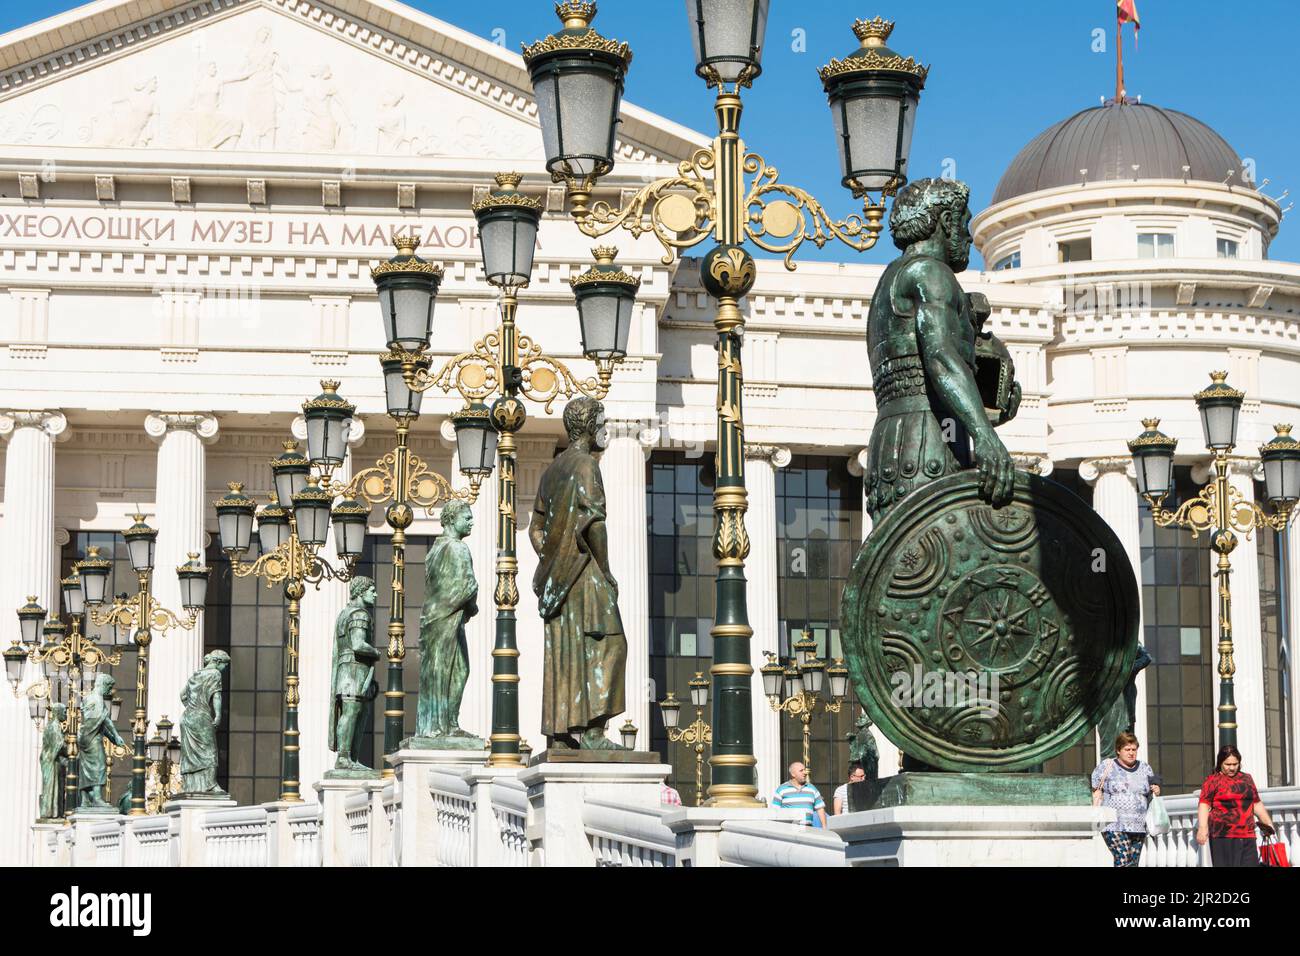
989, 639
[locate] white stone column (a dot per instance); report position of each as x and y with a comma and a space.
622, 469
1114, 497
889, 756
28, 568
480, 630
181, 502
320, 610
762, 585
1247, 638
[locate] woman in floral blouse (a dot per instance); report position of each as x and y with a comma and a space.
1227, 811
1127, 785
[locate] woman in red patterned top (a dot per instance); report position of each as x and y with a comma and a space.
1227, 812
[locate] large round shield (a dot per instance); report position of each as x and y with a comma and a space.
983, 639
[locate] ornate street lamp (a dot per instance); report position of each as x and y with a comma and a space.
193, 576
697, 734
803, 679
140, 615
235, 519
290, 471
728, 39
605, 295
403, 403
408, 290
627, 734
94, 572
577, 77
511, 368
1219, 508
329, 419
30, 616
273, 526
873, 94
350, 518
729, 194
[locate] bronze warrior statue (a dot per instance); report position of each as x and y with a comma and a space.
922, 338
202, 698
451, 599
585, 650
54, 757
352, 680
92, 763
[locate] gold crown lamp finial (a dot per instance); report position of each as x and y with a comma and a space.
576, 14
509, 180
194, 556
235, 486
289, 445
1218, 377
1150, 424
93, 550
1283, 431
873, 33
604, 255
406, 243
329, 386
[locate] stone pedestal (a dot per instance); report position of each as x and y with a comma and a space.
413, 843
485, 841
333, 795
975, 836
556, 792
47, 847
186, 827
698, 829
82, 849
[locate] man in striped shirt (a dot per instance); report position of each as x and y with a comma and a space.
797, 793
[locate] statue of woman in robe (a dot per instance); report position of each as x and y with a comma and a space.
202, 700
92, 760
54, 755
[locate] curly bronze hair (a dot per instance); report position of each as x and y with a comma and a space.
451, 509
359, 585
580, 416
916, 211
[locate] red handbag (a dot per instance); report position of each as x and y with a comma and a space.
1273, 852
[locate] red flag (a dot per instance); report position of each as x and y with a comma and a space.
1127, 11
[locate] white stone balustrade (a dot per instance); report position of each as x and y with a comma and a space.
304, 835
510, 807
775, 843
145, 841
107, 840
622, 835
236, 837
1178, 847
453, 818
357, 812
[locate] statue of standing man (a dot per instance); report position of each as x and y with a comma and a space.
352, 681
585, 648
451, 599
92, 763
54, 756
201, 698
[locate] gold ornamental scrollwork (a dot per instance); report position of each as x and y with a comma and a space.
679, 209
425, 488
1199, 514
734, 271
783, 217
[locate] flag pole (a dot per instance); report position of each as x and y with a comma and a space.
1119, 62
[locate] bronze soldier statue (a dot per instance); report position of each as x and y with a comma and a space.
352, 683
922, 336
585, 649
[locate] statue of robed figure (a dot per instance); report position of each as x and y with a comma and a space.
450, 599
585, 650
54, 757
352, 681
92, 760
201, 698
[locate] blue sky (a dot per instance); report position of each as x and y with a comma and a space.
1001, 73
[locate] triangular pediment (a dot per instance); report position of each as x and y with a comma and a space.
356, 78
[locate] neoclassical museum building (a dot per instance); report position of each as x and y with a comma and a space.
192, 193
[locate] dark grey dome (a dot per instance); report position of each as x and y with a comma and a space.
1108, 140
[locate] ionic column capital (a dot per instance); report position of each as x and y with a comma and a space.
205, 426
775, 455
858, 463
356, 433
647, 436
1238, 468
53, 423
1094, 468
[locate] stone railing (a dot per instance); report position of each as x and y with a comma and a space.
304, 835
774, 843
236, 837
107, 840
390, 849
510, 807
1178, 847
623, 835
453, 818
146, 841
357, 812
